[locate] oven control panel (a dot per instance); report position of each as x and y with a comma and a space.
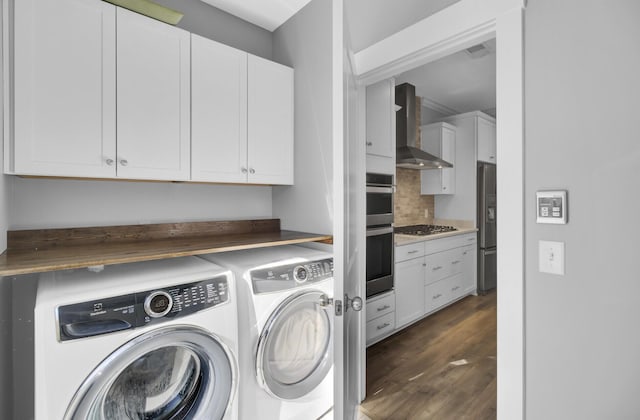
289, 276
117, 313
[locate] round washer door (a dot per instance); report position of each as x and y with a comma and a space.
177, 372
295, 347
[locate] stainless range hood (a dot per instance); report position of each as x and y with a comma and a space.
407, 154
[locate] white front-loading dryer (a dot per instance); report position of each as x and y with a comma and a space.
285, 331
151, 340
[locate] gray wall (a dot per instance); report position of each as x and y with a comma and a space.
210, 22
304, 42
582, 92
41, 203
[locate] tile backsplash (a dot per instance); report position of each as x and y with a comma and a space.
409, 204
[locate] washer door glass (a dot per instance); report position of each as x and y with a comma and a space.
169, 373
294, 349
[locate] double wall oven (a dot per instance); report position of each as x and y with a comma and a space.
379, 233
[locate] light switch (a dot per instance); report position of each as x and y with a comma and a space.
551, 257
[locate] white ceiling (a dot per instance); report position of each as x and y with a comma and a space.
457, 81
268, 14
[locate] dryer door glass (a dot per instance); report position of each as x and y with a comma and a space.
169, 373
294, 349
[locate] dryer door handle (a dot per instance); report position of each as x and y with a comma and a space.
91, 328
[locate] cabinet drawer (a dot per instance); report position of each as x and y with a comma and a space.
380, 326
456, 286
437, 294
437, 267
406, 252
380, 306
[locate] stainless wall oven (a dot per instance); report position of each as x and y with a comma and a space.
380, 243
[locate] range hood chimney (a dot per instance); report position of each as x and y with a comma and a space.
407, 154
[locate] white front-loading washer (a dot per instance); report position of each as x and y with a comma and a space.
150, 340
285, 331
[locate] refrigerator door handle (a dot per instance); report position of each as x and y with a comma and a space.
489, 251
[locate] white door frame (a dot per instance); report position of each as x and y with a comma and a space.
460, 26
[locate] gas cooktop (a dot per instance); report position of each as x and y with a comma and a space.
423, 230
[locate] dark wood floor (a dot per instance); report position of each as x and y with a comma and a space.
410, 375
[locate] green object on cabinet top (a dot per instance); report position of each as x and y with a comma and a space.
151, 9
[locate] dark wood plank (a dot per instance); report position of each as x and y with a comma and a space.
410, 376
61, 249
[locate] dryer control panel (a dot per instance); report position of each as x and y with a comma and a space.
117, 313
289, 276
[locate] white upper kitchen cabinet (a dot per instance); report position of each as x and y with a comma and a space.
218, 112
64, 73
439, 139
153, 99
270, 118
486, 140
381, 128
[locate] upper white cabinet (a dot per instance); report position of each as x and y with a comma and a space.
103, 92
381, 117
218, 112
270, 122
439, 139
64, 71
153, 87
486, 132
242, 116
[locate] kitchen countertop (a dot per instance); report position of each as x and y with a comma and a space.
400, 239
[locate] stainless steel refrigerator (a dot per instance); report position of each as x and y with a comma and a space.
486, 227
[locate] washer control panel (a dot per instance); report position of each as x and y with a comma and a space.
289, 276
117, 313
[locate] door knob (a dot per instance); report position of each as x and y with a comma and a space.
355, 303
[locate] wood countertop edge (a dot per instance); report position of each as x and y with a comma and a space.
12, 268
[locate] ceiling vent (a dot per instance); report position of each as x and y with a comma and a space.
477, 51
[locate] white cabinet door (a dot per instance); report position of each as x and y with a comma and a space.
64, 79
409, 287
381, 117
470, 267
486, 140
218, 112
270, 122
153, 89
439, 139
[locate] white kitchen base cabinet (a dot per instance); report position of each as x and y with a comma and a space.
153, 108
409, 285
432, 274
380, 313
439, 139
64, 70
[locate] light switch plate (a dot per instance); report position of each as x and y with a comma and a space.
551, 257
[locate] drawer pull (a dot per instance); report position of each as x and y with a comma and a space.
455, 262
383, 326
437, 296
436, 268
471, 239
412, 252
382, 308
453, 289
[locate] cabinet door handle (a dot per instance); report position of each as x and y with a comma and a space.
110, 162
252, 171
123, 162
424, 264
444, 188
244, 170
385, 325
455, 288
437, 296
382, 308
436, 268
492, 157
369, 143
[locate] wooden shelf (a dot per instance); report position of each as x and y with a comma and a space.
36, 251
